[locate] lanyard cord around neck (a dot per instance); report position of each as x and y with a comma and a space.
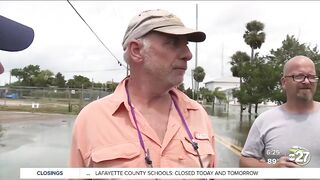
190, 140
146, 151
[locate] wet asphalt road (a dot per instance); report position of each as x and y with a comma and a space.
43, 140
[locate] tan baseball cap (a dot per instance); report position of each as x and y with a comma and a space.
161, 21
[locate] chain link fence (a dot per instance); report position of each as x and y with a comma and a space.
48, 99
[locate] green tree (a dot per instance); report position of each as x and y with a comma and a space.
217, 94
111, 86
257, 83
188, 92
206, 94
98, 85
79, 81
26, 76
254, 37
198, 76
239, 62
43, 79
181, 87
19, 74
59, 80
254, 86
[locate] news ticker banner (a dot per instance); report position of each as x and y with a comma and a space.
169, 173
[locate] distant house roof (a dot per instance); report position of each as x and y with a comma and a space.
226, 79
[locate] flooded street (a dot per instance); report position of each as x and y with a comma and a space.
230, 138
34, 140
42, 140
233, 129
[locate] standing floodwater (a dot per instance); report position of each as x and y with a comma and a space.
36, 140
33, 140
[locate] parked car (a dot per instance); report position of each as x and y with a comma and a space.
12, 95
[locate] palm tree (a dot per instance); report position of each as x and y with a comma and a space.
198, 76
220, 95
254, 37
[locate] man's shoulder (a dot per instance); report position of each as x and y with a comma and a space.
272, 110
269, 115
187, 100
107, 102
104, 99
103, 107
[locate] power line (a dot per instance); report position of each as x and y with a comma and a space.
87, 71
96, 35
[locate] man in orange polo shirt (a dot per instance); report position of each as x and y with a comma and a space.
147, 121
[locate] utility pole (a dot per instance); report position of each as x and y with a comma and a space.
92, 83
222, 61
196, 84
192, 83
10, 77
81, 98
196, 51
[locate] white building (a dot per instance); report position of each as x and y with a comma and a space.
226, 84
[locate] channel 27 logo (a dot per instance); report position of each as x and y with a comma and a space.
299, 155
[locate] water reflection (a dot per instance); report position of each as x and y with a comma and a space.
40, 142
1, 131
229, 124
1, 134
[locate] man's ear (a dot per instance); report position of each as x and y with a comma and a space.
135, 47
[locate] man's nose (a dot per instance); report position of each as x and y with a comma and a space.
306, 80
186, 54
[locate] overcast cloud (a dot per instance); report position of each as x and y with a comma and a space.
63, 43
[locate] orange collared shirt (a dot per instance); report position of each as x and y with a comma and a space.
105, 135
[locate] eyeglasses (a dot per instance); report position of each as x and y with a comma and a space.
302, 77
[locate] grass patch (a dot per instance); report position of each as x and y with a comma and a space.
59, 110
